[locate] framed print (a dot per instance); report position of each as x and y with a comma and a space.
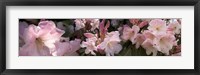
99, 37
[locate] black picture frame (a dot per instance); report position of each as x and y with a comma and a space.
4, 3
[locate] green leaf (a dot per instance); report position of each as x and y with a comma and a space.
68, 22
130, 50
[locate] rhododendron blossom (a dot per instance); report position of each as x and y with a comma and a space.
111, 43
90, 43
80, 23
66, 47
150, 47
95, 24
174, 27
39, 40
139, 40
100, 37
130, 33
22, 27
165, 42
158, 26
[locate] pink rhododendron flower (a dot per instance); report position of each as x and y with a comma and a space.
22, 27
139, 40
150, 47
80, 23
162, 42
95, 24
148, 43
39, 40
149, 34
174, 27
158, 26
90, 43
66, 47
111, 44
130, 33
165, 42
100, 37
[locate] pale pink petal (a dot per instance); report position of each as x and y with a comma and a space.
134, 34
34, 50
66, 47
46, 27
53, 35
30, 34
61, 48
94, 23
149, 47
165, 43
135, 28
139, 40
113, 48
174, 27
50, 45
42, 39
84, 44
89, 35
103, 45
116, 47
22, 26
80, 23
157, 22
158, 26
114, 36
133, 39
149, 34
126, 33
75, 44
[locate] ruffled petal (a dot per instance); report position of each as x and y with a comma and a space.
30, 34
22, 27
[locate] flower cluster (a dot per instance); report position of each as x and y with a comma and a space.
45, 40
100, 37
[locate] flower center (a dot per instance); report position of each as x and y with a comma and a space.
157, 29
109, 44
39, 43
